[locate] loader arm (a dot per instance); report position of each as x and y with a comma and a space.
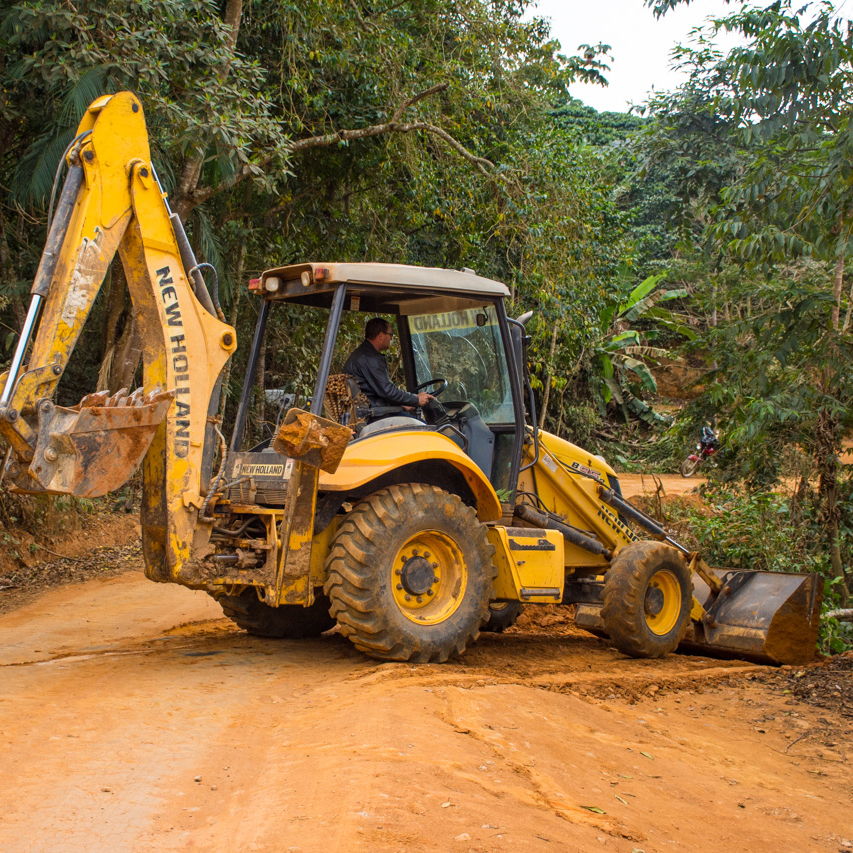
112, 202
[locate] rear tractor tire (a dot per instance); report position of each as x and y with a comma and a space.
287, 622
410, 575
648, 594
502, 615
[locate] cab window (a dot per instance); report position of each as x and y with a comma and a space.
465, 348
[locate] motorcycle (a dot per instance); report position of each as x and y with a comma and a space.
708, 445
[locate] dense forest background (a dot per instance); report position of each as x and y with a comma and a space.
704, 236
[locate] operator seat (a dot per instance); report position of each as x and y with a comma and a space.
480, 439
345, 403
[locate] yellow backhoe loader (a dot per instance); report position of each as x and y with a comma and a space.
412, 536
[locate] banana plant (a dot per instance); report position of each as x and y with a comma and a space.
622, 352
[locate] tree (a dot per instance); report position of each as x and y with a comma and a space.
764, 134
412, 132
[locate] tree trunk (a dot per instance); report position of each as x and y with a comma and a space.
714, 301
232, 320
122, 348
7, 276
560, 404
836, 290
548, 366
128, 355
191, 169
827, 466
115, 296
260, 401
846, 325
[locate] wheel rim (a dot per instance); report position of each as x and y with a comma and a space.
662, 603
428, 577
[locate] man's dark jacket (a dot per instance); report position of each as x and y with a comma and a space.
370, 368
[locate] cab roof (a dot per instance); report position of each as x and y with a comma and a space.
306, 282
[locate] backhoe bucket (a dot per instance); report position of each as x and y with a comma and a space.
767, 617
92, 448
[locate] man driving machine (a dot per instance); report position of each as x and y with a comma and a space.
369, 366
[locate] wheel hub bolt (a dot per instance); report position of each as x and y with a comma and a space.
430, 592
408, 598
399, 586
419, 599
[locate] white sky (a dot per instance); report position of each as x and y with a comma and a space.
640, 44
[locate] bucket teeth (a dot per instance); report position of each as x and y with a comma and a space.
121, 399
99, 398
115, 400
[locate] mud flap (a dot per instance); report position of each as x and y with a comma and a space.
94, 447
766, 617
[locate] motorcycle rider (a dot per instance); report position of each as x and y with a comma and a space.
709, 438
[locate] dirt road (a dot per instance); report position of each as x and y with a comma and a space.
133, 717
646, 484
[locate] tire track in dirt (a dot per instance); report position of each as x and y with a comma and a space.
134, 690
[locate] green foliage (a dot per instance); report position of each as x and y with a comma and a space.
834, 636
621, 351
725, 528
791, 539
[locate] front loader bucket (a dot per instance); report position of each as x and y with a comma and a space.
768, 617
92, 448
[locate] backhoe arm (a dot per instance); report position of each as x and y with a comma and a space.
112, 202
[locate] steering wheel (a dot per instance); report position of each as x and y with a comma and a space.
442, 383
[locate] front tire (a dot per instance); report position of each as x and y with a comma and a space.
688, 467
287, 622
648, 594
410, 575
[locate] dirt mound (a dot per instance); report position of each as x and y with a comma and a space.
828, 684
98, 545
680, 380
546, 619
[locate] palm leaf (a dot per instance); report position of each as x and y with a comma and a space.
670, 321
208, 248
33, 179
86, 89
612, 390
630, 335
641, 370
641, 307
640, 291
649, 352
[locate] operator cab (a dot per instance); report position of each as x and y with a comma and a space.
453, 341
